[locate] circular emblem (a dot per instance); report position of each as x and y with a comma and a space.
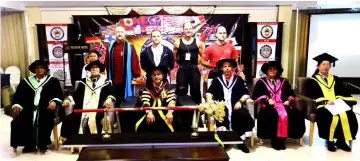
265, 51
266, 31
58, 52
166, 41
59, 74
57, 33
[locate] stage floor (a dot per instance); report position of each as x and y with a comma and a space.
293, 152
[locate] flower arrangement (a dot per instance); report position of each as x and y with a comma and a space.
215, 109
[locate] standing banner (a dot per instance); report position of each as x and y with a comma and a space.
56, 36
266, 44
266, 40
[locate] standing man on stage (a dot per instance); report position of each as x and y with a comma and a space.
122, 65
216, 51
187, 52
156, 55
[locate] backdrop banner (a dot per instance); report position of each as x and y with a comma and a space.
99, 30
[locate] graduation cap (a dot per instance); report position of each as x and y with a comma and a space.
325, 56
95, 63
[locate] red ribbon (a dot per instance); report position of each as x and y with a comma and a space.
175, 108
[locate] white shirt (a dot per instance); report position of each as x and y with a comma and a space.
157, 53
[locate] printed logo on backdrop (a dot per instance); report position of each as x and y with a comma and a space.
266, 31
59, 74
266, 51
57, 33
58, 52
166, 41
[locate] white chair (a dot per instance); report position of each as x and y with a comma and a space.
1, 71
15, 76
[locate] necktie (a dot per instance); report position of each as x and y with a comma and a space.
94, 82
274, 83
325, 79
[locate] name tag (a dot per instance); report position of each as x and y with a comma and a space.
187, 56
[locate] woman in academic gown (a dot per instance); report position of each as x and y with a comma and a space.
157, 94
233, 90
35, 106
325, 88
94, 92
278, 117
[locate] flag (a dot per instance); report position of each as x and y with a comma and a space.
92, 39
109, 39
108, 30
128, 24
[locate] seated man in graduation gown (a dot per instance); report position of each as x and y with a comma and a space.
278, 117
324, 88
94, 92
232, 89
157, 94
35, 108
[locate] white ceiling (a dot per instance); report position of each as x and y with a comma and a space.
21, 5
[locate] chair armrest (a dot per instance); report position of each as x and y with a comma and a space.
309, 108
257, 107
69, 110
251, 107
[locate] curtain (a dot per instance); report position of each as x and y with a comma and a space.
14, 51
174, 10
302, 44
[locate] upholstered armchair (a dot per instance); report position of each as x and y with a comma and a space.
249, 105
299, 102
308, 104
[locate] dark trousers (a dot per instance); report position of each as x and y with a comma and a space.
123, 116
184, 78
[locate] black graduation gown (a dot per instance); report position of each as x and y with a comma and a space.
268, 116
156, 97
321, 92
71, 123
241, 120
25, 131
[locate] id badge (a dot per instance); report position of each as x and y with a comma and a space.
187, 56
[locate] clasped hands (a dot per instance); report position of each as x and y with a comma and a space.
272, 102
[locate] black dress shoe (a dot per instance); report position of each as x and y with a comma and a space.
275, 144
29, 149
282, 144
331, 146
343, 146
243, 148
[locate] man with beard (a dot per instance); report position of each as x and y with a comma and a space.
187, 53
156, 55
122, 64
216, 51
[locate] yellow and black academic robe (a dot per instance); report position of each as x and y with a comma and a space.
90, 94
278, 120
32, 127
341, 126
153, 96
231, 92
